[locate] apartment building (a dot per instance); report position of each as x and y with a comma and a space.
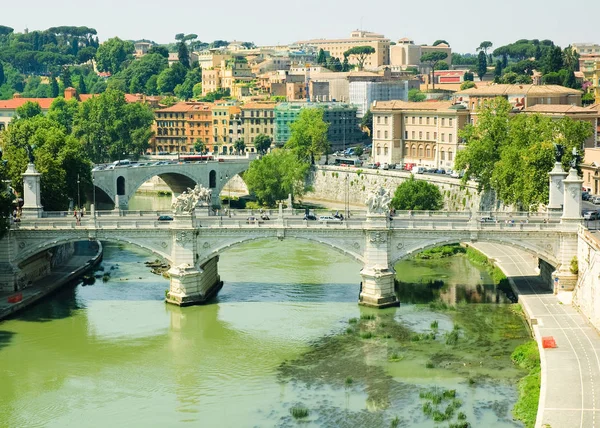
422, 134
343, 129
337, 47
231, 74
257, 118
177, 128
227, 126
365, 87
406, 53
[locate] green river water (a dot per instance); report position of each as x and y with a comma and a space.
285, 331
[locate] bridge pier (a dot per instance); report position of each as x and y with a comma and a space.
191, 285
377, 287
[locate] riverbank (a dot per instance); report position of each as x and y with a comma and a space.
84, 260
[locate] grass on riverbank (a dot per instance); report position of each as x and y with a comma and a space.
527, 357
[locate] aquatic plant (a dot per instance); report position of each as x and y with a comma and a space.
394, 357
353, 320
367, 317
435, 325
349, 330
452, 337
299, 412
461, 416
429, 365
395, 423
105, 277
366, 335
348, 381
527, 357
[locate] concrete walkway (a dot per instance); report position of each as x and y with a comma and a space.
570, 394
76, 266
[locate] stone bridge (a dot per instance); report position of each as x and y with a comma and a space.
191, 244
118, 185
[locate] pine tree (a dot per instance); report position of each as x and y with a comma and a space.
53, 87
183, 54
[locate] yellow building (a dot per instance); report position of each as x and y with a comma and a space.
177, 128
257, 118
337, 47
227, 127
423, 134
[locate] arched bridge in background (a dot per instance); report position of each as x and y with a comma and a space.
118, 185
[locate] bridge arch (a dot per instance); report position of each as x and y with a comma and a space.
31, 251
426, 245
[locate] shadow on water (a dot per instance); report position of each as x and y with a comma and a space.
61, 304
5, 338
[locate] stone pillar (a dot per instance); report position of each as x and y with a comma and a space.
572, 198
557, 175
377, 288
32, 203
10, 275
191, 284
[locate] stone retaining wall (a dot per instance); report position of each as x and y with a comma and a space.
586, 295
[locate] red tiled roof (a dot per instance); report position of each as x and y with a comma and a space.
183, 107
18, 102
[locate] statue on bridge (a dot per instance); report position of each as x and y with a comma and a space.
185, 203
378, 202
559, 151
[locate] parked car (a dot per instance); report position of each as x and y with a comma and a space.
165, 218
385, 166
595, 200
431, 170
420, 170
440, 171
309, 217
328, 218
591, 215
370, 166
487, 220
584, 195
253, 220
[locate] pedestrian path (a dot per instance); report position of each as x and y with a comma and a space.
570, 390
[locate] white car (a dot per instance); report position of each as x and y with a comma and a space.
327, 218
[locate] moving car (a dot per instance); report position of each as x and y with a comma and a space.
309, 217
253, 220
487, 219
165, 218
328, 218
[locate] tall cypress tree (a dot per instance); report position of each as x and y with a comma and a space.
81, 86
321, 58
481, 65
53, 87
183, 54
65, 77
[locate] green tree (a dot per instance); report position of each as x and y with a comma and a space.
513, 154
358, 151
239, 145
65, 77
417, 195
498, 69
440, 41
110, 129
367, 122
432, 58
467, 84
570, 58
1, 74
481, 65
199, 146
183, 54
53, 87
28, 110
274, 176
185, 90
346, 65
360, 53
262, 143
6, 198
416, 96
484, 46
63, 113
442, 65
308, 137
160, 50
569, 81
469, 76
552, 60
111, 55
81, 88
321, 58
170, 77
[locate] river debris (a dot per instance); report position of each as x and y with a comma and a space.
158, 267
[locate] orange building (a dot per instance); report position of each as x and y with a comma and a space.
178, 127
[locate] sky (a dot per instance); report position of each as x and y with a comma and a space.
464, 24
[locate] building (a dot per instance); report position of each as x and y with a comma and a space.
233, 73
343, 124
365, 87
141, 48
520, 96
227, 126
177, 128
257, 118
586, 48
337, 47
405, 53
422, 134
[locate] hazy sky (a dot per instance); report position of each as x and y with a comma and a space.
464, 24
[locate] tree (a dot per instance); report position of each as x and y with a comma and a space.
417, 195
199, 146
467, 84
160, 50
552, 60
29, 110
65, 77
81, 85
433, 58
262, 143
416, 95
569, 80
63, 112
308, 138
360, 53
571, 58
498, 69
182, 54
358, 151
53, 87
111, 55
321, 58
442, 65
239, 145
513, 154
440, 41
170, 77
367, 122
481, 65
276, 175
1, 74
469, 76
346, 65
484, 46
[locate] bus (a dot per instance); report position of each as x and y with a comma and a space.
197, 158
347, 162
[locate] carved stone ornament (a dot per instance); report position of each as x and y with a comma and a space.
400, 245
573, 192
182, 237
206, 245
557, 183
378, 201
356, 245
378, 237
30, 185
163, 244
190, 199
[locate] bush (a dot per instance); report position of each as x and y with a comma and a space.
574, 268
299, 412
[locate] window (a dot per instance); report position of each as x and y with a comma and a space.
420, 151
413, 120
435, 120
443, 155
428, 151
443, 135
435, 135
378, 150
449, 155
443, 121
378, 119
450, 122
413, 134
420, 120
427, 120
385, 134
378, 133
449, 138
427, 136
385, 120
420, 135
385, 151
414, 151
405, 135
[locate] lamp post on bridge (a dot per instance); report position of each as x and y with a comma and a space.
78, 195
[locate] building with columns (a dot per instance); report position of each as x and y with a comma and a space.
423, 134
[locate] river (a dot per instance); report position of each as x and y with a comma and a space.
284, 334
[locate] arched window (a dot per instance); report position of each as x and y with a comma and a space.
442, 155
420, 151
449, 155
385, 150
378, 150
406, 150
120, 185
212, 179
414, 151
428, 151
